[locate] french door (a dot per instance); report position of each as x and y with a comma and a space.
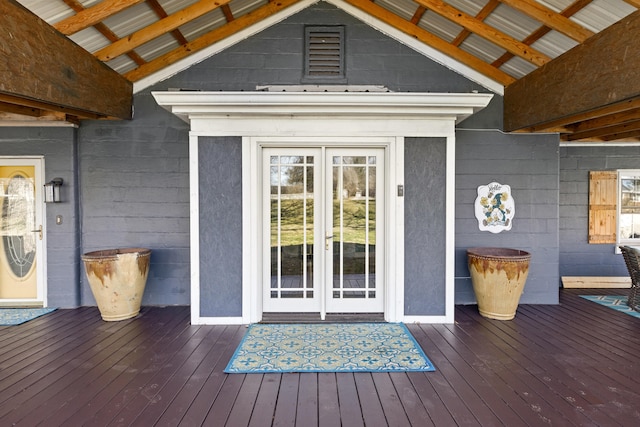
323, 241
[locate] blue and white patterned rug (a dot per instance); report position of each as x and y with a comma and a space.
16, 316
333, 347
616, 302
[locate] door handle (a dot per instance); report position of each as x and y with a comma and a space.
327, 239
39, 231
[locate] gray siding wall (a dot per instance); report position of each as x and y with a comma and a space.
134, 179
133, 176
220, 176
58, 146
529, 164
577, 256
424, 221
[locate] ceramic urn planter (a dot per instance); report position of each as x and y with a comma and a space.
498, 276
117, 278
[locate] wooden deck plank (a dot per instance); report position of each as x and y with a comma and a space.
285, 413
372, 412
566, 364
203, 402
79, 384
328, 403
179, 406
447, 391
44, 376
393, 409
113, 385
265, 404
415, 410
243, 406
526, 380
307, 408
350, 409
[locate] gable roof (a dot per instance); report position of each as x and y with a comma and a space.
496, 43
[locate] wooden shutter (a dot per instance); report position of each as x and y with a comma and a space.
603, 198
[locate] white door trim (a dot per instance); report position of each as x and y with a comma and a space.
253, 220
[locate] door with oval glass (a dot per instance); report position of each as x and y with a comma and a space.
323, 230
21, 232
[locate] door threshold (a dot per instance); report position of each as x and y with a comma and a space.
21, 304
329, 318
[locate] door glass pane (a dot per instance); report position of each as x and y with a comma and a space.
291, 226
18, 223
354, 234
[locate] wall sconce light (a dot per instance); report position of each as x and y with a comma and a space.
52, 190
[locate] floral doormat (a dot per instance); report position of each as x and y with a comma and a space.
333, 347
616, 302
16, 316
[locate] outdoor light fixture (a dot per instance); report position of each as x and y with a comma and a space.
52, 190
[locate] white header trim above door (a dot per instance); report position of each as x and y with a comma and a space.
322, 113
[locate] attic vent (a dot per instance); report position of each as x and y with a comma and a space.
324, 59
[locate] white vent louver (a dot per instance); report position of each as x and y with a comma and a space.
325, 53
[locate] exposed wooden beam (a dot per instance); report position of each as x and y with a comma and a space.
418, 14
208, 39
159, 10
635, 3
41, 68
19, 105
158, 28
607, 120
104, 30
432, 40
567, 123
485, 31
550, 19
603, 132
571, 10
600, 72
93, 15
228, 14
481, 16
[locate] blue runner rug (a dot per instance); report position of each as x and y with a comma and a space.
16, 316
333, 347
616, 302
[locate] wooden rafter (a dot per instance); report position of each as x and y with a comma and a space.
104, 30
92, 15
481, 16
432, 40
158, 28
208, 39
159, 10
485, 31
571, 10
550, 19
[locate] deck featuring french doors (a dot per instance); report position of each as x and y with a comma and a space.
323, 242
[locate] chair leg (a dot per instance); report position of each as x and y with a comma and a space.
633, 302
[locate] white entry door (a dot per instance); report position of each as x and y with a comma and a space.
323, 247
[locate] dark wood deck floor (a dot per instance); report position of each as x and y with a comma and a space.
576, 363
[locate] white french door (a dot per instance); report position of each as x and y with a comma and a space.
323, 230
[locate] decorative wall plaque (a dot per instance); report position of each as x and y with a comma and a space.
494, 207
